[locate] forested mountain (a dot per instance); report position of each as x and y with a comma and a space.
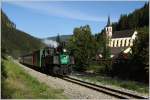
134, 20
16, 42
62, 37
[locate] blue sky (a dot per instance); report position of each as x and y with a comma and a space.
48, 18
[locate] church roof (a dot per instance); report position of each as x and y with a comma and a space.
122, 34
117, 50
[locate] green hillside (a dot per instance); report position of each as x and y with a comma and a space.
16, 42
62, 37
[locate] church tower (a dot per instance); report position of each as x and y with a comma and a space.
108, 29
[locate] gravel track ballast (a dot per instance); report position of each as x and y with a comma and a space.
71, 90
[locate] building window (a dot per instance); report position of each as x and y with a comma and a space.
125, 41
120, 43
117, 43
129, 42
113, 43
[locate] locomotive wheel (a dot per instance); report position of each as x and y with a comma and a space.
69, 69
45, 69
42, 68
55, 70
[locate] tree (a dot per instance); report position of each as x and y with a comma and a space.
136, 19
102, 41
106, 49
83, 45
140, 56
123, 22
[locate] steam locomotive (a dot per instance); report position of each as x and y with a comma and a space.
54, 61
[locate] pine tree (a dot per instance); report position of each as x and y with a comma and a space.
136, 19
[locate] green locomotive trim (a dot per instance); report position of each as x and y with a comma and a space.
64, 59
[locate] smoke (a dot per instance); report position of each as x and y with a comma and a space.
50, 43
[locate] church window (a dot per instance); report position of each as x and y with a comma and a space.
113, 43
117, 43
125, 41
129, 42
120, 43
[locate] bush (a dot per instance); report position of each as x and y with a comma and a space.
3, 79
129, 69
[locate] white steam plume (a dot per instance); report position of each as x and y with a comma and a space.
50, 43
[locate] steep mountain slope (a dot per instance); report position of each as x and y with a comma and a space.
14, 41
136, 19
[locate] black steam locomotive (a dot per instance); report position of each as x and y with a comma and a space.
55, 61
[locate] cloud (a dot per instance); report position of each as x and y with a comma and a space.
55, 9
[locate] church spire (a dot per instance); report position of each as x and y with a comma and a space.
108, 28
108, 22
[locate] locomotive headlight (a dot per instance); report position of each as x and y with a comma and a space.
64, 50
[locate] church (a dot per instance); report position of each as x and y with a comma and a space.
119, 41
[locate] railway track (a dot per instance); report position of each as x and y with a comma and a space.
113, 92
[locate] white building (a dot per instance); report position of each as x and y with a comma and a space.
119, 41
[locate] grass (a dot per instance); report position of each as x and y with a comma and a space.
96, 67
20, 85
131, 85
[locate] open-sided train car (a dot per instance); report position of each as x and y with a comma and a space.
50, 60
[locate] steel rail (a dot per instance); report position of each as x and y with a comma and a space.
113, 92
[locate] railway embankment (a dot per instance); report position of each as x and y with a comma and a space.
70, 90
18, 84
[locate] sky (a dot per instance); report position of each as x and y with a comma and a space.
48, 18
